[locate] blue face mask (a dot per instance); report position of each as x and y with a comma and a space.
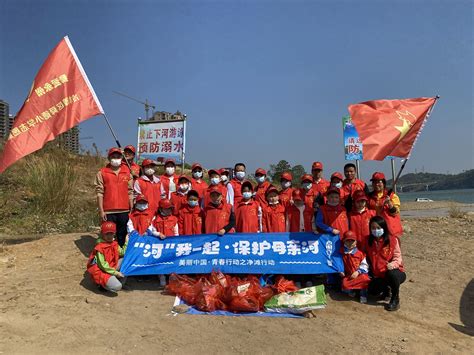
377, 232
260, 179
246, 195
193, 203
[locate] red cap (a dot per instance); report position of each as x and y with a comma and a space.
360, 195
333, 189
184, 177
108, 227
271, 189
165, 203
296, 195
349, 235
307, 177
337, 175
195, 166
260, 171
287, 176
215, 188
131, 148
317, 165
147, 162
214, 171
378, 176
114, 150
141, 198
223, 171
170, 161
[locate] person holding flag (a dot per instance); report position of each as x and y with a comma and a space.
128, 160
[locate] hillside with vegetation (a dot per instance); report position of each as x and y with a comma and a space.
419, 181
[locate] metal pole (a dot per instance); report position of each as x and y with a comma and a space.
184, 145
394, 187
358, 168
116, 140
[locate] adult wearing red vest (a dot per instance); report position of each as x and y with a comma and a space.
262, 186
332, 217
237, 181
218, 215
191, 216
114, 189
129, 155
179, 197
385, 204
149, 185
247, 212
385, 258
359, 218
141, 216
286, 189
273, 213
307, 193
169, 179
320, 185
351, 184
197, 182
295, 213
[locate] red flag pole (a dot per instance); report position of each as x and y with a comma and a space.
394, 183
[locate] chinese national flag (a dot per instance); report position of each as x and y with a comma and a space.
389, 127
61, 96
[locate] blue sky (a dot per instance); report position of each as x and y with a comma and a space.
260, 81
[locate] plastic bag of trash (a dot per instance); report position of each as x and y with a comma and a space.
297, 302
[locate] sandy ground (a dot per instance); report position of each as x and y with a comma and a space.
47, 306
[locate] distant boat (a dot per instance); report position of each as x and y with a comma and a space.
423, 199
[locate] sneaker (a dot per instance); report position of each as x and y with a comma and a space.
363, 299
308, 284
162, 280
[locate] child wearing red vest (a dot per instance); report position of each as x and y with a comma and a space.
308, 196
218, 215
197, 182
141, 216
336, 181
149, 185
262, 186
356, 269
248, 213
359, 218
273, 213
386, 264
226, 183
215, 182
286, 189
104, 261
169, 179
237, 181
332, 217
179, 197
296, 214
320, 185
190, 215
114, 188
386, 204
165, 224
351, 185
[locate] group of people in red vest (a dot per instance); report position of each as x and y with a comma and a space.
133, 198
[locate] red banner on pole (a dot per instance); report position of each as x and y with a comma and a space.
389, 127
60, 97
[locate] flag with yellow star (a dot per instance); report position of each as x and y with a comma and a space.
389, 127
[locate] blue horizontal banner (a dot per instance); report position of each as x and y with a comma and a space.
255, 253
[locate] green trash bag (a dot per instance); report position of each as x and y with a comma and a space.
297, 302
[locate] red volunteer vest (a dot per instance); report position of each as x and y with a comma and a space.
379, 255
152, 192
111, 255
335, 217
286, 196
190, 220
165, 182
166, 224
200, 186
207, 196
294, 218
141, 220
308, 213
274, 218
260, 193
216, 218
359, 224
246, 217
135, 169
351, 265
237, 185
178, 199
393, 222
115, 189
320, 187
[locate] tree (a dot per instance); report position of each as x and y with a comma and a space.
278, 169
297, 171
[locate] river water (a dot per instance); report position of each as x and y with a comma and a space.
462, 196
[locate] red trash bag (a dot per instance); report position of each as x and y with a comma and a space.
283, 285
209, 299
184, 286
218, 278
265, 294
244, 303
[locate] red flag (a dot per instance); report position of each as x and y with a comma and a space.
61, 96
389, 127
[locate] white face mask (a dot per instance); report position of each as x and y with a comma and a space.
197, 174
338, 185
260, 179
307, 186
193, 203
141, 206
115, 162
286, 184
184, 187
149, 171
246, 195
224, 178
170, 170
240, 175
215, 180
377, 233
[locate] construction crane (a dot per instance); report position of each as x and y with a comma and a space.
146, 103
